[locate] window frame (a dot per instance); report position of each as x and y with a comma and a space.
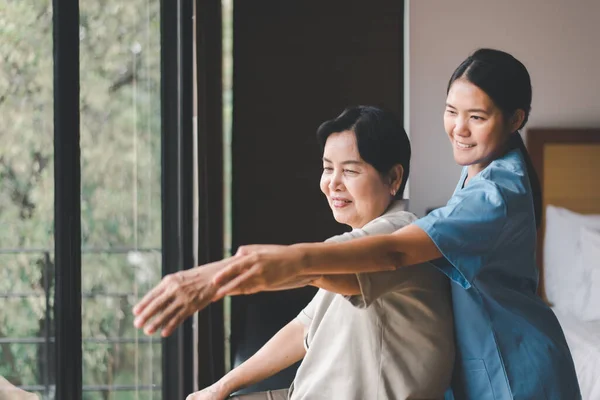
176, 187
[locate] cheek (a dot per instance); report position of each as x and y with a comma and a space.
448, 125
324, 185
368, 195
491, 138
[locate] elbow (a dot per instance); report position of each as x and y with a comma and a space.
396, 252
395, 260
391, 257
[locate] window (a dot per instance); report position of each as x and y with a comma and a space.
120, 194
26, 197
96, 104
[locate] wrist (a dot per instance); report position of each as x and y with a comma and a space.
305, 258
226, 385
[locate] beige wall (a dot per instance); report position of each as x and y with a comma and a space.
558, 41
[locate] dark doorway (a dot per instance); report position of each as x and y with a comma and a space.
296, 64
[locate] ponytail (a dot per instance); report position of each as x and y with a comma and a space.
516, 142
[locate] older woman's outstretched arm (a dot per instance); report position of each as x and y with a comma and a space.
263, 268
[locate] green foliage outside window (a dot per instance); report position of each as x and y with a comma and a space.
120, 192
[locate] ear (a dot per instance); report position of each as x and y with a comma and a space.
395, 176
517, 120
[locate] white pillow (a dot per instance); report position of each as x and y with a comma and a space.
588, 296
562, 271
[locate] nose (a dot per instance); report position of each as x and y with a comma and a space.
461, 127
335, 183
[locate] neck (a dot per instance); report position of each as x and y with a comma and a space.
474, 169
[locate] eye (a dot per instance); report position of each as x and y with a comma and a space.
327, 170
477, 118
350, 172
450, 112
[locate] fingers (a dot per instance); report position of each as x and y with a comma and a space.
171, 322
258, 248
153, 309
243, 284
174, 322
242, 251
148, 298
234, 269
162, 318
158, 299
252, 248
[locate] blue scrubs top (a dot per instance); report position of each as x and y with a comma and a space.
509, 344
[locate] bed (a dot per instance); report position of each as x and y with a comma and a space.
568, 254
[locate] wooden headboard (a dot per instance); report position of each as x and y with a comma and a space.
568, 164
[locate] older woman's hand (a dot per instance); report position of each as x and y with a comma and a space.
214, 392
258, 268
177, 297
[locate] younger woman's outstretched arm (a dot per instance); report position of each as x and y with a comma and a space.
265, 267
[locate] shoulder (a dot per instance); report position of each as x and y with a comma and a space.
481, 193
479, 203
394, 218
509, 174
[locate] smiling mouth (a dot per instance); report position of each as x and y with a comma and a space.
340, 203
463, 145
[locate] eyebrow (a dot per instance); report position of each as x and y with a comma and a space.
344, 162
480, 110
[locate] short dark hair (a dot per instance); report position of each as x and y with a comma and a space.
506, 81
381, 139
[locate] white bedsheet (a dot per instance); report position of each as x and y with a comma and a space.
583, 339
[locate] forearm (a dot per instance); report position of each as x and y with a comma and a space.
343, 284
295, 282
281, 351
408, 246
369, 254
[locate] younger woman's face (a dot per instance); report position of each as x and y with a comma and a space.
475, 126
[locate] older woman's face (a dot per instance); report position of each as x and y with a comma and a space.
355, 190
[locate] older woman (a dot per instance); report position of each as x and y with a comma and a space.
387, 335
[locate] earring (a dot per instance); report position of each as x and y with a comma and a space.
394, 192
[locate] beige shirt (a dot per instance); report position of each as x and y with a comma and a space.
393, 341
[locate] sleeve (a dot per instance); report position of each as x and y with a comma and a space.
466, 230
374, 284
307, 315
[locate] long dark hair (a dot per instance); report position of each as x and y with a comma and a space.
506, 81
380, 138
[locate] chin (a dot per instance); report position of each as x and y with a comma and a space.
462, 161
341, 219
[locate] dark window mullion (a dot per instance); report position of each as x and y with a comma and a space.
177, 179
67, 200
209, 54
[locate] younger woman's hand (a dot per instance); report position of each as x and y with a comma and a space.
257, 268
